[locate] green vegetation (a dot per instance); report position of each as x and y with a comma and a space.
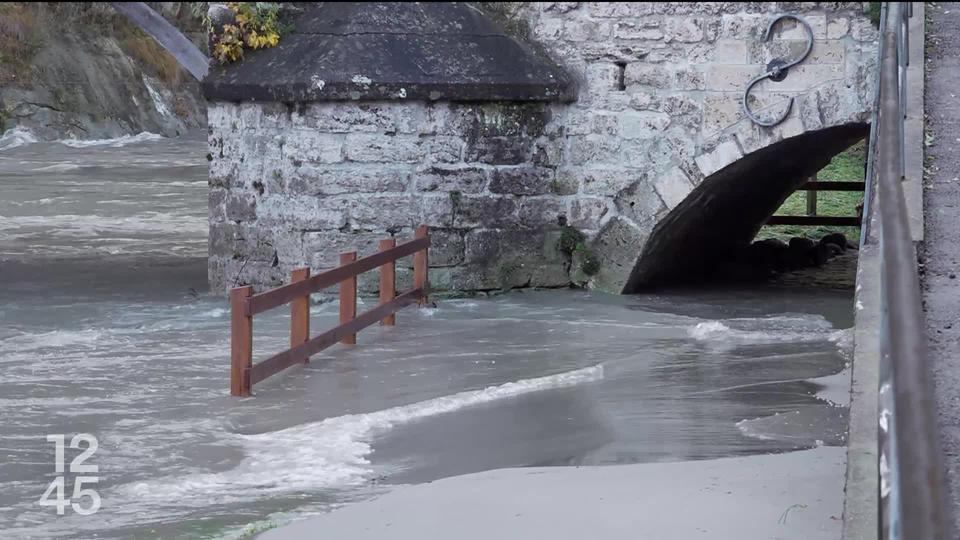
19, 42
573, 244
150, 54
848, 166
257, 26
570, 240
873, 11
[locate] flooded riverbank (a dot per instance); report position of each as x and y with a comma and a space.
106, 328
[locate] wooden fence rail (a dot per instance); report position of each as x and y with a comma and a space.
813, 186
244, 305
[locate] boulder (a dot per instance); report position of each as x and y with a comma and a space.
837, 239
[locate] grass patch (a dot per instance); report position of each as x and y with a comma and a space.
847, 166
19, 42
152, 56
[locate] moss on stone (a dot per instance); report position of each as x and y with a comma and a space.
591, 263
570, 239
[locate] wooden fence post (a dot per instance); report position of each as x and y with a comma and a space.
241, 341
300, 313
812, 198
420, 265
388, 281
348, 297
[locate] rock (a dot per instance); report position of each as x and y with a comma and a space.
802, 253
767, 253
820, 254
837, 239
799, 243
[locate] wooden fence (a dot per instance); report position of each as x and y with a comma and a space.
813, 186
244, 305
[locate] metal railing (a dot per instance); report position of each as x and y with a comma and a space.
913, 491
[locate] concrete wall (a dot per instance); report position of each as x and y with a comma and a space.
658, 111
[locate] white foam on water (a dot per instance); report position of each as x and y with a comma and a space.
15, 137
116, 142
73, 225
58, 167
326, 454
779, 329
47, 340
746, 427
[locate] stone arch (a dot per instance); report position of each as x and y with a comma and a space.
727, 208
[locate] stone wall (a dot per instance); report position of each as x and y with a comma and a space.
658, 110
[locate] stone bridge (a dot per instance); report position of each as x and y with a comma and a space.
546, 144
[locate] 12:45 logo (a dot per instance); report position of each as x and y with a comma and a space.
85, 475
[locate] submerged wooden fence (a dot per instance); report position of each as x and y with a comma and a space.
244, 305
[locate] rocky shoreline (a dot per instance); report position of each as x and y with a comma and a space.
827, 262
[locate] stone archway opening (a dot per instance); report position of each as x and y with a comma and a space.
724, 213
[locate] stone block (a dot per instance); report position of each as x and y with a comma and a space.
441, 178
323, 249
304, 212
446, 247
647, 75
382, 212
593, 149
498, 150
579, 30
318, 181
312, 147
641, 29
642, 125
673, 186
683, 29
548, 152
566, 182
721, 110
689, 78
504, 119
742, 26
803, 78
602, 78
790, 29
728, 51
588, 213
383, 148
439, 210
386, 118
481, 246
485, 211
540, 212
823, 52
724, 154
216, 205
521, 180
640, 203
606, 182
221, 239
838, 28
620, 9
445, 149
241, 207
730, 78
616, 247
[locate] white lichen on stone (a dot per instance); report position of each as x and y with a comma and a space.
361, 80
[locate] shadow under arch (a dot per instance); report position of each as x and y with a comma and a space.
728, 208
